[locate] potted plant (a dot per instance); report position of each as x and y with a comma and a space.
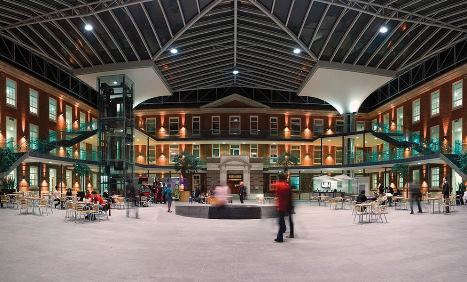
8, 185
186, 164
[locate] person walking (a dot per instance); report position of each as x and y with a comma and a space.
282, 205
242, 191
414, 196
168, 197
446, 193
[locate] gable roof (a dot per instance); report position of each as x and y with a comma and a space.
235, 101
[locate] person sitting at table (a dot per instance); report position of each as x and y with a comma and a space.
56, 196
361, 197
97, 199
68, 193
107, 197
397, 192
88, 195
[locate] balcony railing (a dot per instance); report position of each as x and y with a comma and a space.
231, 134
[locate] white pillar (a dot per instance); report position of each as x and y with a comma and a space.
246, 179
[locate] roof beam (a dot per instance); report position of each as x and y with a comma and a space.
85, 56
407, 46
305, 18
419, 47
288, 14
331, 33
111, 37
43, 25
50, 46
315, 32
151, 24
396, 44
235, 32
138, 30
185, 28
93, 8
284, 28
125, 34
412, 17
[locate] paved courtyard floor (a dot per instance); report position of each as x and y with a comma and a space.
165, 247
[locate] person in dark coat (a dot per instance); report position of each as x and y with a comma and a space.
242, 191
361, 198
446, 193
414, 196
381, 188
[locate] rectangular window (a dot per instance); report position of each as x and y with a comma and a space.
434, 134
33, 101
400, 118
33, 136
216, 151
234, 125
273, 154
295, 126
416, 176
216, 125
235, 150
52, 109
69, 118
338, 157
151, 126
195, 126
33, 176
401, 182
294, 181
274, 126
374, 181
360, 125
374, 124
254, 125
339, 126
435, 177
317, 155
173, 125
416, 111
318, 126
152, 154
435, 103
82, 121
196, 181
11, 92
69, 178
253, 150
173, 151
295, 151
195, 150
457, 94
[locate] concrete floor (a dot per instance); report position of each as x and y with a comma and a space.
165, 247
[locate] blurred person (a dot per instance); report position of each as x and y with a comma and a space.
414, 196
291, 211
361, 198
56, 196
380, 188
446, 193
88, 195
397, 192
241, 191
68, 193
283, 194
220, 194
168, 197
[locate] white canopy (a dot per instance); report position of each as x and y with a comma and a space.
342, 177
325, 178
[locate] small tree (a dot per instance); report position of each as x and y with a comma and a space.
186, 164
285, 160
82, 170
7, 157
402, 170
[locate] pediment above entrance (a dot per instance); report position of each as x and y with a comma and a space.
235, 101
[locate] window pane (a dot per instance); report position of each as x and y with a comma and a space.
215, 150
435, 103
295, 126
216, 125
318, 126
234, 125
295, 151
457, 94
273, 154
151, 125
195, 126
254, 125
235, 150
435, 177
254, 150
173, 125
416, 111
273, 126
173, 151
11, 92
33, 101
195, 151
52, 109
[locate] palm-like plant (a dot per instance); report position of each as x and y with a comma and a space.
286, 160
82, 170
186, 164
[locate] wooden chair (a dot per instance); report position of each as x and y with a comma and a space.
379, 211
80, 212
44, 205
360, 211
70, 210
23, 206
5, 200
93, 214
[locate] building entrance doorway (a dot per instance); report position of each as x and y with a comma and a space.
233, 181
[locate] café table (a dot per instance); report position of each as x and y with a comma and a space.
432, 200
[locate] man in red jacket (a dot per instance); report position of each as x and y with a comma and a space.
282, 205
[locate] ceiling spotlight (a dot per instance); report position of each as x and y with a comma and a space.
173, 51
383, 29
115, 82
88, 27
235, 71
297, 51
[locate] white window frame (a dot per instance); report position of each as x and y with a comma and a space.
33, 176
360, 126
152, 151
172, 156
398, 118
434, 176
33, 101
36, 137
253, 150
69, 178
316, 123
434, 105
239, 123
299, 149
193, 150
457, 93
416, 111
11, 93
194, 120
173, 120
215, 119
317, 149
273, 153
155, 125
274, 130
52, 109
231, 150
338, 154
196, 181
254, 131
431, 133
292, 131
341, 122
218, 148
